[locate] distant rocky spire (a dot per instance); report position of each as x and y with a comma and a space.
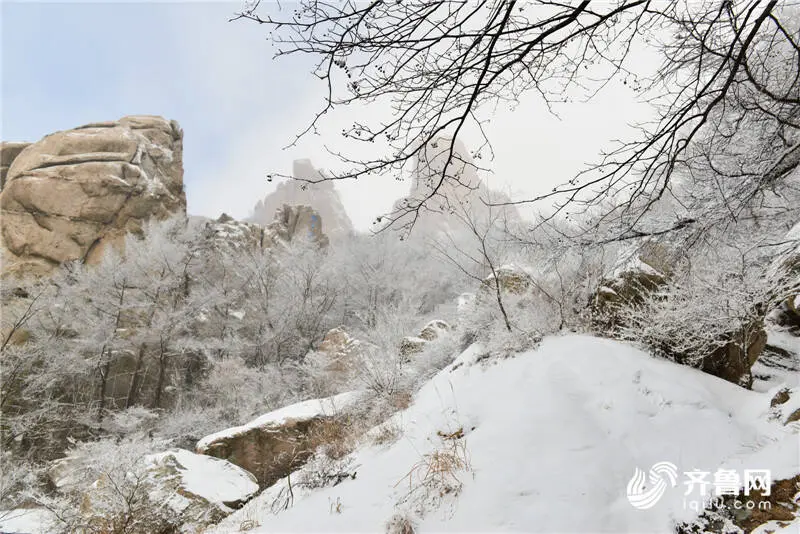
322, 197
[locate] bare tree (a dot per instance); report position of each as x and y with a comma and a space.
443, 66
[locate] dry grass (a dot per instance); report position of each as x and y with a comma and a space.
400, 524
337, 437
437, 473
387, 433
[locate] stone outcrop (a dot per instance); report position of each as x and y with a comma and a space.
628, 285
733, 360
322, 197
276, 444
340, 350
289, 224
297, 223
511, 278
432, 331
8, 153
228, 232
75, 192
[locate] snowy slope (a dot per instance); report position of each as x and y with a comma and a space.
552, 437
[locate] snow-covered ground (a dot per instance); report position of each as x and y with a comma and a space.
551, 439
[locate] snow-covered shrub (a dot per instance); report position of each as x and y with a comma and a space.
531, 315
692, 317
104, 488
709, 314
322, 470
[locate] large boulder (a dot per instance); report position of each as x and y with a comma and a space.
277, 443
321, 196
733, 360
628, 285
510, 278
432, 331
200, 489
75, 192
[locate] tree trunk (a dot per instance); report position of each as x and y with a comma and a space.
134, 386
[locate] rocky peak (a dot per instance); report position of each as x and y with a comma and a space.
321, 197
461, 191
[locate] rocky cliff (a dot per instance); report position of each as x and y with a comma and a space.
71, 194
322, 197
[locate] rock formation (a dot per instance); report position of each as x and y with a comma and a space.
71, 194
290, 223
8, 153
432, 331
322, 197
279, 442
454, 199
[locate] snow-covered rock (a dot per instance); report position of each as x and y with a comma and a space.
546, 441
200, 488
788, 263
463, 191
277, 443
511, 278
434, 329
631, 279
289, 223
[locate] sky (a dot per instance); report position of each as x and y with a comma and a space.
66, 64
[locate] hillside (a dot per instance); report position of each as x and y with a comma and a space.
544, 441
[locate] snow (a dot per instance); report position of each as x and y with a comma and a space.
552, 437
634, 264
26, 521
215, 480
302, 410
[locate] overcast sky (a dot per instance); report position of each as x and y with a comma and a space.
68, 64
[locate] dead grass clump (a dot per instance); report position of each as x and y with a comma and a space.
400, 524
437, 473
387, 433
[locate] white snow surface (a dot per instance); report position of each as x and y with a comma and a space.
301, 410
634, 264
553, 436
27, 521
215, 480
